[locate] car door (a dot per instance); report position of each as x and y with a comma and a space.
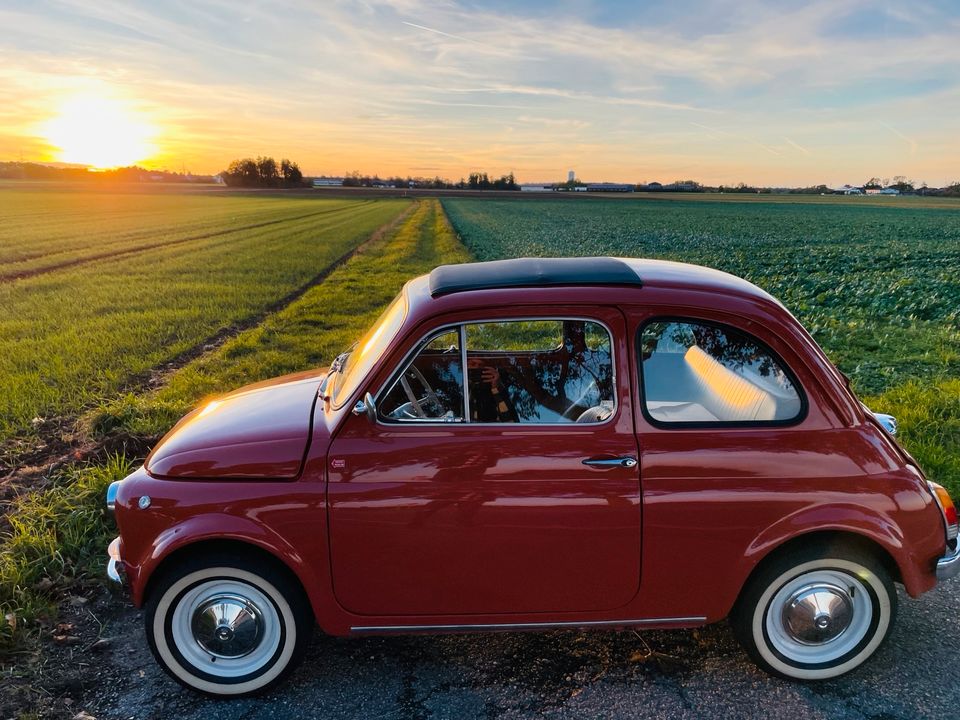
447, 505
734, 439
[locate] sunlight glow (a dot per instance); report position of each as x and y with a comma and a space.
99, 131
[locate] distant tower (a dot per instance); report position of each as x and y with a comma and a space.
571, 175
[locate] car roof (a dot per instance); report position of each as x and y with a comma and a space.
629, 273
531, 272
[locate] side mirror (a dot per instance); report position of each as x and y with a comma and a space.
366, 407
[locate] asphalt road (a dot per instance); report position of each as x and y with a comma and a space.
561, 674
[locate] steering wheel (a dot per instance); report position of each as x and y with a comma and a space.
415, 402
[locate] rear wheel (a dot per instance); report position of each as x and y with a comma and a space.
816, 613
227, 627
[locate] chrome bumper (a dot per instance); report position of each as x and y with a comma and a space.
949, 565
115, 565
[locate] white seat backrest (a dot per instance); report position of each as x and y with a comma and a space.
725, 393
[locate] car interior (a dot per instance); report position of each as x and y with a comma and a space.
732, 380
550, 371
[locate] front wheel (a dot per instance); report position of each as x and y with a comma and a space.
227, 627
816, 613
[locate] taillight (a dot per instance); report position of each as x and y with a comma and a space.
947, 507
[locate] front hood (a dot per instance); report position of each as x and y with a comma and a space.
258, 431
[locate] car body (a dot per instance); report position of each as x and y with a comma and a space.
637, 443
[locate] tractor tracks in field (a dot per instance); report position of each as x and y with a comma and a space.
156, 377
23, 465
129, 252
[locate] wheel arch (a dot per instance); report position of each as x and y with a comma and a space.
828, 538
221, 546
221, 533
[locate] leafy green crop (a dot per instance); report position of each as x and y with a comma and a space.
878, 285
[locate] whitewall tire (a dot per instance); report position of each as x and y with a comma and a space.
816, 613
227, 627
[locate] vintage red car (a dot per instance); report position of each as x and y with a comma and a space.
529, 444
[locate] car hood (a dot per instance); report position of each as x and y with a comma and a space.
258, 431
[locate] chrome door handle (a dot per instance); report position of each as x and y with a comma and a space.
627, 462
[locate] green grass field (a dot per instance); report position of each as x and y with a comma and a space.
72, 336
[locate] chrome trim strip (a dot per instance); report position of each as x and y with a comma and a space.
464, 377
688, 620
949, 565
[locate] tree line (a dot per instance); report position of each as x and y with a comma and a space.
262, 172
475, 181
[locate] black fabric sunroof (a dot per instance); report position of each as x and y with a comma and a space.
531, 272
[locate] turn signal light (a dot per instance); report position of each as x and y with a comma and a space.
947, 507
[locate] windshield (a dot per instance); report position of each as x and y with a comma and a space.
355, 366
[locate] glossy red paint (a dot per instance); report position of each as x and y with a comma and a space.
456, 525
259, 431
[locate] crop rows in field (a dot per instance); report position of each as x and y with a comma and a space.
878, 286
75, 335
308, 333
30, 245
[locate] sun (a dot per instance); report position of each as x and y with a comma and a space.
99, 131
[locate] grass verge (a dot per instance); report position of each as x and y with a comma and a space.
929, 426
57, 538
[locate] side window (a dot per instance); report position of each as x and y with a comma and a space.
539, 371
431, 385
704, 373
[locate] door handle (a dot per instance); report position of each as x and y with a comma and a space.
627, 462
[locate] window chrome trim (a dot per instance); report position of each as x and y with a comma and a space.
683, 620
436, 422
465, 377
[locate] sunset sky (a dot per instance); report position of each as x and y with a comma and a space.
773, 93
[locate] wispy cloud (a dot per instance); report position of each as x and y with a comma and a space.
739, 137
911, 143
444, 34
797, 146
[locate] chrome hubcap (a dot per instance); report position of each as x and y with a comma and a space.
227, 626
818, 614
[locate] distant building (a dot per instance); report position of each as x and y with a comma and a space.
328, 182
536, 187
610, 187
654, 187
847, 190
889, 191
571, 176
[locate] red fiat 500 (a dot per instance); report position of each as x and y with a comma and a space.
528, 444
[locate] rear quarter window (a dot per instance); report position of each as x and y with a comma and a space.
699, 373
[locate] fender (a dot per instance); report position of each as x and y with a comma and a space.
860, 520
218, 526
